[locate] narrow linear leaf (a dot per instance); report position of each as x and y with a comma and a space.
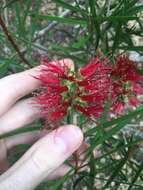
132, 48
107, 135
117, 18
117, 36
115, 121
10, 3
62, 19
60, 182
138, 173
136, 9
69, 6
117, 170
92, 172
19, 131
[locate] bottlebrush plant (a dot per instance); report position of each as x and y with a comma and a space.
101, 95
89, 89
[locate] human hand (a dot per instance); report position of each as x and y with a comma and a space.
44, 160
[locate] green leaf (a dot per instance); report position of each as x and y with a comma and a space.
120, 147
81, 42
92, 172
70, 7
117, 169
78, 180
116, 121
107, 135
10, 3
132, 48
116, 40
61, 19
116, 18
58, 185
138, 173
136, 9
19, 131
94, 23
4, 65
28, 5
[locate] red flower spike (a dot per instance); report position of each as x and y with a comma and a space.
137, 88
98, 81
91, 111
91, 68
55, 69
118, 108
93, 97
125, 69
134, 101
126, 83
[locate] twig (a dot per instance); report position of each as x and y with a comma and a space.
40, 33
11, 40
5, 13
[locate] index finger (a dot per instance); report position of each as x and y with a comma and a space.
16, 86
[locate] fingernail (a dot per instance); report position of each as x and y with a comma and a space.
68, 137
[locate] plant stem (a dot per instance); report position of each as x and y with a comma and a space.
75, 154
13, 43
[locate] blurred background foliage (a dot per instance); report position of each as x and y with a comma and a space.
79, 29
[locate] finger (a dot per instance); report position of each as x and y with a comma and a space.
21, 114
3, 157
42, 159
62, 170
8, 143
59, 172
82, 149
4, 165
15, 86
25, 138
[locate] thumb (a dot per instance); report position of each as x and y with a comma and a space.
42, 159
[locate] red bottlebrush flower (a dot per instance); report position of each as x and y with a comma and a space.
89, 89
134, 101
91, 68
126, 83
60, 89
137, 88
51, 102
90, 110
118, 108
96, 86
96, 67
125, 69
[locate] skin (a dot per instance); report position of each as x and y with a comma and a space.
44, 160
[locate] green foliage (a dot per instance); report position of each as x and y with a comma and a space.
79, 29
